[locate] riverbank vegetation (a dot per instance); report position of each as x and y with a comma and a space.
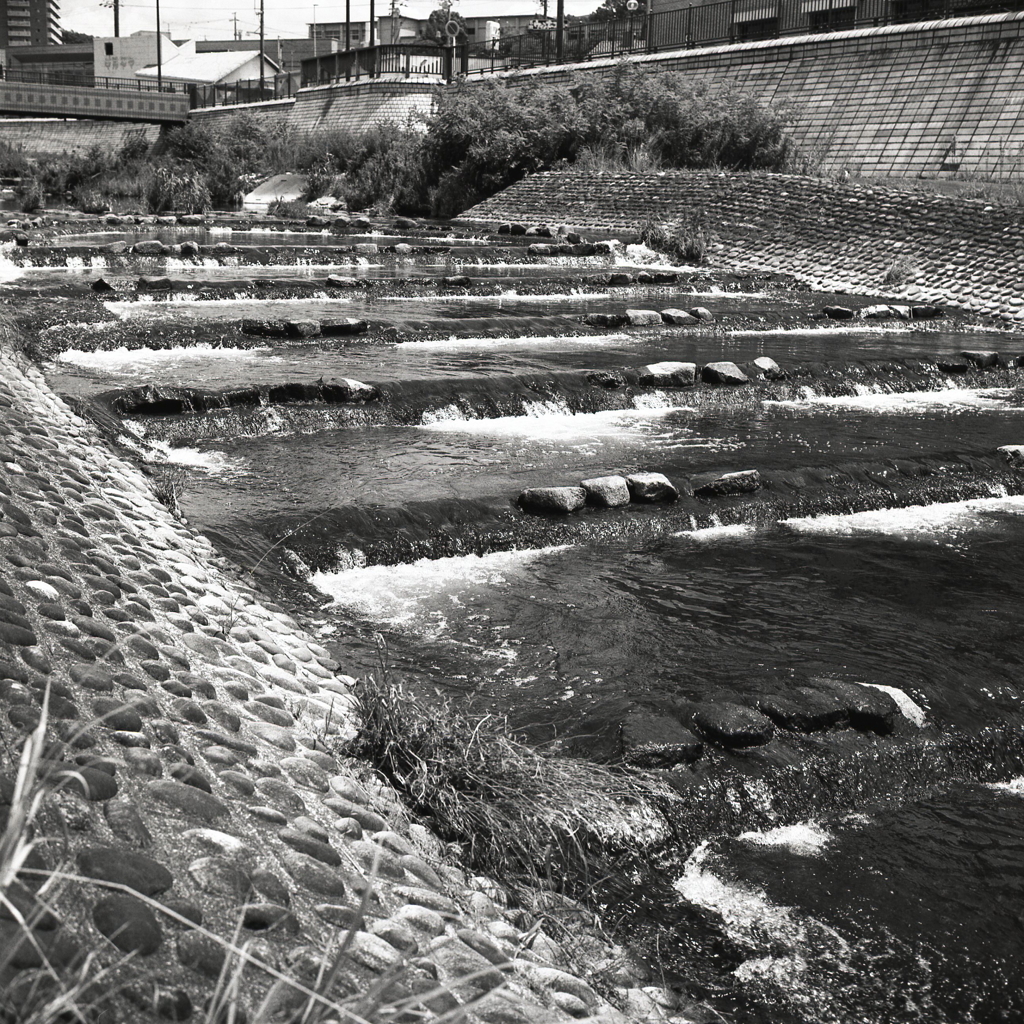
479, 139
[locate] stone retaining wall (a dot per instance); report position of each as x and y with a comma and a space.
53, 138
833, 236
354, 106
932, 99
192, 726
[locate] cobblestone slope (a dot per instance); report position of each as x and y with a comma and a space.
190, 764
914, 246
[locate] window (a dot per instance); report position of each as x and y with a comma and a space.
108, 49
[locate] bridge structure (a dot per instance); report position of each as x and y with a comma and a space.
98, 99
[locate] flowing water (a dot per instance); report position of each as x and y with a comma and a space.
869, 874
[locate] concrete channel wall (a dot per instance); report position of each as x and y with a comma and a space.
913, 245
51, 137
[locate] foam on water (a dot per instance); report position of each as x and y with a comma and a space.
129, 360
415, 594
9, 271
549, 420
913, 403
941, 523
454, 344
711, 534
211, 462
807, 839
149, 306
1013, 786
506, 295
818, 331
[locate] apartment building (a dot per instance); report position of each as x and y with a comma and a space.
29, 23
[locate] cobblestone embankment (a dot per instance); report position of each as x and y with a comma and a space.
192, 763
829, 235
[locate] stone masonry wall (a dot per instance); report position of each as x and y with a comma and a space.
53, 138
191, 727
931, 99
831, 235
342, 107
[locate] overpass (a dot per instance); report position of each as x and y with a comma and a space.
101, 99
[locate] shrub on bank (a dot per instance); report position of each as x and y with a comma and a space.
480, 139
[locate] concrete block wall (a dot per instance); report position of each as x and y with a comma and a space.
931, 99
830, 235
353, 106
38, 138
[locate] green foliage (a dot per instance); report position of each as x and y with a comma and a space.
319, 180
437, 23
900, 271
32, 198
88, 200
182, 191
13, 162
386, 172
687, 239
134, 150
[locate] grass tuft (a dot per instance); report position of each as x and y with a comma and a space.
687, 240
519, 814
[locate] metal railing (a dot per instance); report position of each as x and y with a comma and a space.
252, 90
84, 80
440, 62
714, 24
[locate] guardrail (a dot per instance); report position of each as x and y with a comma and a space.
440, 62
252, 90
71, 78
713, 24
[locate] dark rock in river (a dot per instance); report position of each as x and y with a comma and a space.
715, 485
723, 373
838, 312
868, 708
605, 319
652, 740
804, 710
669, 375
981, 360
343, 325
733, 725
678, 316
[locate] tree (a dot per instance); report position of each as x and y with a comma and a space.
70, 36
437, 26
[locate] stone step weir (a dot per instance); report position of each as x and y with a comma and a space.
180, 415
604, 509
196, 790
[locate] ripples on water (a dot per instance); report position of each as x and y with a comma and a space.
880, 883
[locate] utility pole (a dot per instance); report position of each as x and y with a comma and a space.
559, 30
263, 73
159, 53
348, 24
314, 34
373, 39
117, 18
234, 18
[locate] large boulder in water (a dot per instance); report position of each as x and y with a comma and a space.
733, 725
653, 740
606, 491
1013, 453
643, 317
766, 367
723, 373
651, 487
805, 710
716, 485
149, 247
981, 360
552, 499
343, 325
678, 316
605, 319
669, 375
839, 312
868, 708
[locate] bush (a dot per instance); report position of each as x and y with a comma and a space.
319, 181
13, 162
182, 192
687, 239
31, 198
386, 172
88, 200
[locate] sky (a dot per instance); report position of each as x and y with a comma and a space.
213, 19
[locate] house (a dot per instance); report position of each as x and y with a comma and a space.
222, 68
122, 56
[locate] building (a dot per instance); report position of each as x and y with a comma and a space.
288, 54
70, 64
29, 23
122, 56
223, 68
326, 31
